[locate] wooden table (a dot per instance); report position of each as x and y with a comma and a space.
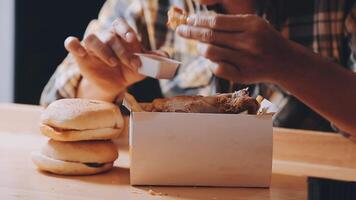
296, 156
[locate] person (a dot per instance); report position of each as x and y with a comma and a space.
247, 49
83, 74
86, 72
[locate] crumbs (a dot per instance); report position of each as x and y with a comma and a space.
134, 192
153, 193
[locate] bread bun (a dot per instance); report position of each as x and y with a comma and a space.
46, 163
83, 151
76, 135
82, 114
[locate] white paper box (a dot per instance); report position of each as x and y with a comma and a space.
192, 149
157, 66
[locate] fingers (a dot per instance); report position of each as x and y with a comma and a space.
125, 32
218, 54
128, 38
206, 35
223, 22
121, 50
73, 46
201, 34
101, 50
227, 71
227, 61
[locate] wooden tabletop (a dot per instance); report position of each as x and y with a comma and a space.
296, 155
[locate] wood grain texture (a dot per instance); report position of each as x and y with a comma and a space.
292, 157
308, 153
21, 180
314, 147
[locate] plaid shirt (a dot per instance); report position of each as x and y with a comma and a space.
318, 25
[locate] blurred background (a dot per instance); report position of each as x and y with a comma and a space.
31, 42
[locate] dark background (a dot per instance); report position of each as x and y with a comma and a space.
41, 27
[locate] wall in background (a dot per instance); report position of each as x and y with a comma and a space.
41, 28
6, 50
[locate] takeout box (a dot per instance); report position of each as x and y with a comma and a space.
195, 149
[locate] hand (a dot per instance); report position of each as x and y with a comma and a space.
246, 48
107, 65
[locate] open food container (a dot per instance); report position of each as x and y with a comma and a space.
157, 66
196, 149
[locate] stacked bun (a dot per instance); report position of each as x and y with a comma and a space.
80, 133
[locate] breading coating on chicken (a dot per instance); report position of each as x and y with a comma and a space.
234, 103
176, 17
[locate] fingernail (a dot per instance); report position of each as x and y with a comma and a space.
113, 61
191, 20
129, 37
135, 62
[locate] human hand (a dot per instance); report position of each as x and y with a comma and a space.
246, 48
107, 65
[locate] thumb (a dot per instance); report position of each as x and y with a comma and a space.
73, 46
226, 71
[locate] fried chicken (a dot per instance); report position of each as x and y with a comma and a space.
176, 17
234, 103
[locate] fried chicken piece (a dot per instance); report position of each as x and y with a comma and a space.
176, 17
223, 103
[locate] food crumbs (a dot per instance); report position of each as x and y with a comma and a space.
153, 193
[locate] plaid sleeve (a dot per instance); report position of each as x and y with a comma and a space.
350, 25
193, 78
64, 82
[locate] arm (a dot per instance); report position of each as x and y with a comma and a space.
325, 86
107, 64
67, 81
248, 50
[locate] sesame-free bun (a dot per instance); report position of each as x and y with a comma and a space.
61, 167
75, 135
82, 114
76, 158
103, 151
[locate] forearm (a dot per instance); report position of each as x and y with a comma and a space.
325, 86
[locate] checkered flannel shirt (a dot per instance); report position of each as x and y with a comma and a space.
316, 24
